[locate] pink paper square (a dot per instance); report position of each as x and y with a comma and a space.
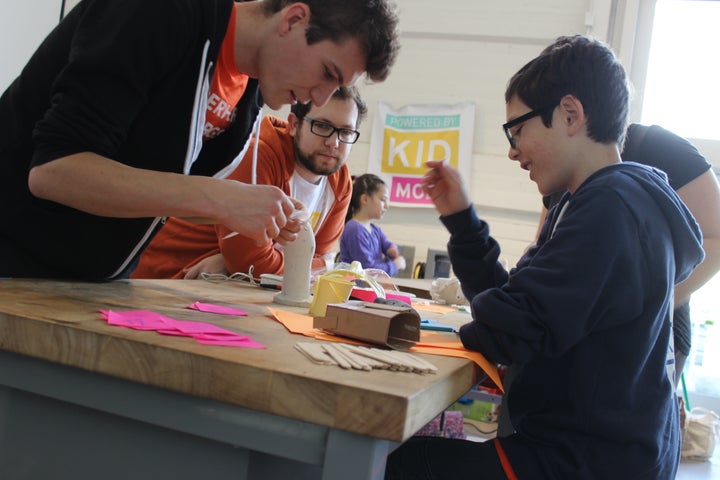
137, 319
204, 333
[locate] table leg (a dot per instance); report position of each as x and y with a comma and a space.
355, 457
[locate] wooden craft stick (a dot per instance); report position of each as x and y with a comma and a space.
402, 359
363, 358
337, 357
356, 361
429, 366
361, 362
315, 353
417, 364
337, 351
377, 364
378, 354
408, 359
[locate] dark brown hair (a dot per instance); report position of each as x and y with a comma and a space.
588, 70
366, 183
373, 22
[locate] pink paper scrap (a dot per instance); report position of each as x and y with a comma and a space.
205, 333
249, 343
210, 308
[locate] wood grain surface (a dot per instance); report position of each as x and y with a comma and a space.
59, 321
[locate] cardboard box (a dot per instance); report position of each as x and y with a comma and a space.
388, 325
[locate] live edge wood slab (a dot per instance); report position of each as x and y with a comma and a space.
59, 321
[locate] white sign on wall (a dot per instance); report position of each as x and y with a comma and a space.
404, 139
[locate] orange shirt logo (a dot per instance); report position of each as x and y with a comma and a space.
228, 86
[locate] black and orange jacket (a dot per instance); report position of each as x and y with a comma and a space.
128, 80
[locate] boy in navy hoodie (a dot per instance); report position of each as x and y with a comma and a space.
586, 313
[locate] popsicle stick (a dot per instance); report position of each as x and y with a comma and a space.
315, 353
364, 358
378, 355
355, 360
414, 362
337, 357
429, 366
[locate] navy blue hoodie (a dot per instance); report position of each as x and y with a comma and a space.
586, 314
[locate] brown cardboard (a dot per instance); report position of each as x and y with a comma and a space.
389, 325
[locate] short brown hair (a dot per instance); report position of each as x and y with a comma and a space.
373, 22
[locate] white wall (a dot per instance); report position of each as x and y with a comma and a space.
23, 25
465, 50
69, 4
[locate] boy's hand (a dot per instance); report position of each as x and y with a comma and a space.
443, 184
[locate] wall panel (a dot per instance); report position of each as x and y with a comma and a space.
458, 51
23, 25
515, 19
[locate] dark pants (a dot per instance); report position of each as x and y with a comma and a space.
437, 458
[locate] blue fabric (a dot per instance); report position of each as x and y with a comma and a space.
682, 163
585, 313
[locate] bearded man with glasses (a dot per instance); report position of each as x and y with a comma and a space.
305, 157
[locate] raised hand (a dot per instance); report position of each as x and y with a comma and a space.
443, 184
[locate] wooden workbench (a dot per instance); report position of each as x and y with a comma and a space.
257, 413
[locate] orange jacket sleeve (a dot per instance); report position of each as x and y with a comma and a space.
275, 154
177, 246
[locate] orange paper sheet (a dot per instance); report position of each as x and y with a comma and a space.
433, 343
430, 307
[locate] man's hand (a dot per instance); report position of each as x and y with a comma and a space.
212, 264
290, 231
259, 212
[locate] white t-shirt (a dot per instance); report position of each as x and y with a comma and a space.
318, 199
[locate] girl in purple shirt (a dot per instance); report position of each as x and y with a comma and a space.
362, 240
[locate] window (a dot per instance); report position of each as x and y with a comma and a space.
681, 87
702, 373
681, 93
683, 60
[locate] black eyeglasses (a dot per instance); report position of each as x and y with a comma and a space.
521, 119
324, 129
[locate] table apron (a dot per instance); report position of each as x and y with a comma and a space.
336, 453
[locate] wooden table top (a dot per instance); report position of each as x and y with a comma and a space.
417, 286
59, 321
